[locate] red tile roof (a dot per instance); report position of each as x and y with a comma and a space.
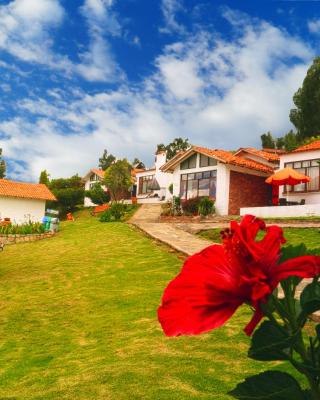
98, 172
229, 158
308, 147
267, 155
24, 190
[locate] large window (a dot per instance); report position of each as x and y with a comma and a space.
199, 184
94, 177
207, 161
310, 168
143, 184
189, 163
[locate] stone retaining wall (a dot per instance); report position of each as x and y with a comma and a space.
12, 239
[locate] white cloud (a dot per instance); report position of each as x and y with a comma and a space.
25, 31
98, 64
314, 26
170, 9
218, 93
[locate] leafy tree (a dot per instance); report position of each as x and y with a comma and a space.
106, 160
290, 141
44, 177
138, 164
280, 143
118, 179
267, 141
69, 193
97, 195
3, 166
306, 116
178, 144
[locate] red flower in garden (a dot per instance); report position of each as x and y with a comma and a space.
215, 282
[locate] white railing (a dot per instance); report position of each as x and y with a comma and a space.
307, 210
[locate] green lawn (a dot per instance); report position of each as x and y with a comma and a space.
309, 236
78, 321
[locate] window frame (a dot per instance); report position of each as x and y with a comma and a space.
187, 162
186, 181
142, 179
298, 165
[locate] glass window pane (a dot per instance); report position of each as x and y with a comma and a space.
184, 177
212, 187
212, 162
184, 165
302, 186
193, 161
315, 163
192, 189
191, 177
297, 164
305, 164
313, 173
203, 187
204, 161
199, 175
214, 173
207, 174
183, 189
289, 165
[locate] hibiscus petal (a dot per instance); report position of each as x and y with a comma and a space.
202, 297
303, 267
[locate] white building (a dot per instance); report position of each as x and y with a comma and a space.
302, 199
90, 179
23, 202
232, 180
154, 176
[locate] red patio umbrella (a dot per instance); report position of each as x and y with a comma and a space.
285, 176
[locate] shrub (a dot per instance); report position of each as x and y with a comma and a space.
28, 228
190, 206
176, 206
166, 209
97, 195
170, 188
106, 216
206, 206
118, 210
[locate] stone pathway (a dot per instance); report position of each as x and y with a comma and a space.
147, 219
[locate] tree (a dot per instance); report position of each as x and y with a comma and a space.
290, 141
44, 177
178, 144
3, 166
306, 116
118, 179
97, 195
138, 164
267, 141
69, 193
106, 160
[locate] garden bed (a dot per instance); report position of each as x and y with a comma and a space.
12, 239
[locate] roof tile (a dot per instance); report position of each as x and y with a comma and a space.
308, 147
25, 190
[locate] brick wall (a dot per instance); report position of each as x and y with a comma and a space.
247, 191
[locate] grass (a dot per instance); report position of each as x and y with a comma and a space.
294, 236
78, 321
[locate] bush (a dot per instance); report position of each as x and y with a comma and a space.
106, 216
118, 210
166, 209
97, 195
190, 206
176, 206
170, 188
28, 228
206, 207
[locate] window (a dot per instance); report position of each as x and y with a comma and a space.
143, 184
189, 163
199, 184
94, 177
310, 168
207, 161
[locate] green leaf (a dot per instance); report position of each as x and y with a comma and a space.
269, 343
289, 252
310, 298
269, 385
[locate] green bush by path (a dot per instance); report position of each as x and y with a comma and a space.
78, 322
22, 229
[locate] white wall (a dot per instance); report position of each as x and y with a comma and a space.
282, 211
310, 198
21, 210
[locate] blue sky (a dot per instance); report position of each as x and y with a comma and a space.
80, 76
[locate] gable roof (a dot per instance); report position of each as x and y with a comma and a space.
98, 172
266, 155
36, 191
308, 147
226, 157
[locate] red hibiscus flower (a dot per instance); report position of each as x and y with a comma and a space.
215, 282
